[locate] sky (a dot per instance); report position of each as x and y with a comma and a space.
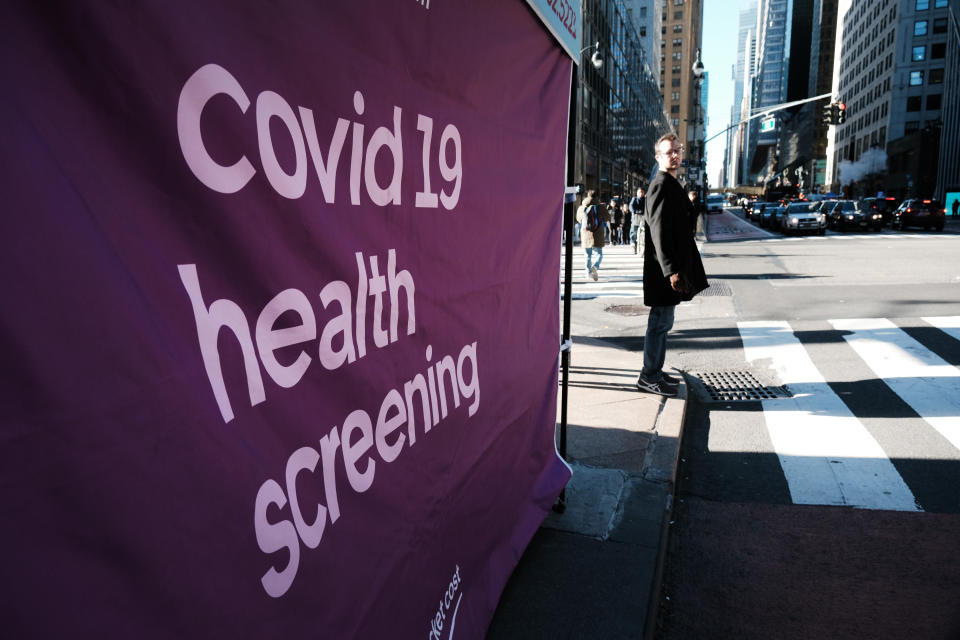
719, 54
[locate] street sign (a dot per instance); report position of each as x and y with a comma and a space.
768, 124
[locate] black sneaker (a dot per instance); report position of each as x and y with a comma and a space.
669, 379
660, 388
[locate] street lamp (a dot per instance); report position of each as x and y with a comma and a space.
698, 77
596, 59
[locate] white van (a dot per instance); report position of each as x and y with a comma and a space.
715, 202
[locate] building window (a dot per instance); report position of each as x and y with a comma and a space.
913, 103
916, 78
675, 122
938, 51
939, 4
923, 5
933, 101
675, 82
678, 28
643, 32
920, 28
936, 76
677, 55
911, 125
940, 25
919, 53
675, 95
678, 15
677, 42
674, 108
677, 3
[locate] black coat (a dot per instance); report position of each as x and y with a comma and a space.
669, 245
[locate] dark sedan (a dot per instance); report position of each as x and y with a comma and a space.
847, 214
916, 212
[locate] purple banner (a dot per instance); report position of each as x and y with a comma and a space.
280, 315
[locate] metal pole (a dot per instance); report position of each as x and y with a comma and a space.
568, 204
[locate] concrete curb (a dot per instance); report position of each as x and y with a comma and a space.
663, 468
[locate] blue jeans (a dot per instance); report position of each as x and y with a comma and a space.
590, 251
659, 324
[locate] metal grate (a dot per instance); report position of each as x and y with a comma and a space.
717, 288
628, 309
737, 386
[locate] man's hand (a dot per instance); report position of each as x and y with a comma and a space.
677, 283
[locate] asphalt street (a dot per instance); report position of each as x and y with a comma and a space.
833, 511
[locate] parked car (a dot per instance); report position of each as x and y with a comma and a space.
826, 208
917, 212
803, 216
773, 215
715, 202
884, 206
847, 214
755, 212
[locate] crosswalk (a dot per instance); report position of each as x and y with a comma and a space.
621, 271
829, 455
620, 274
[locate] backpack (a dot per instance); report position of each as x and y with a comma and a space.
593, 218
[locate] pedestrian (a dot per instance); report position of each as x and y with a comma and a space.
626, 224
637, 205
695, 209
592, 218
617, 229
956, 205
672, 268
611, 209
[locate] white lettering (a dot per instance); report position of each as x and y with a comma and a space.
292, 186
208, 81
304, 459
270, 339
383, 137
212, 80
272, 537
222, 313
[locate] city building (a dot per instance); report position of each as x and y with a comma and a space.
620, 109
646, 16
734, 168
681, 31
894, 78
782, 68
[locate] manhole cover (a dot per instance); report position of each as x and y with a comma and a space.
628, 309
737, 386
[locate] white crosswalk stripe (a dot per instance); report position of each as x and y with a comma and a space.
948, 324
827, 455
921, 378
620, 274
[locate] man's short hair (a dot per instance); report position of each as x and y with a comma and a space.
592, 193
667, 136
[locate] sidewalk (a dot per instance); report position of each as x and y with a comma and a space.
594, 571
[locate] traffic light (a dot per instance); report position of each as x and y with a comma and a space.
827, 117
841, 113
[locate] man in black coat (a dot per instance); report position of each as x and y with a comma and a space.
672, 269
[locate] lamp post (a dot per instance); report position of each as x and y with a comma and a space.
698, 122
573, 128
